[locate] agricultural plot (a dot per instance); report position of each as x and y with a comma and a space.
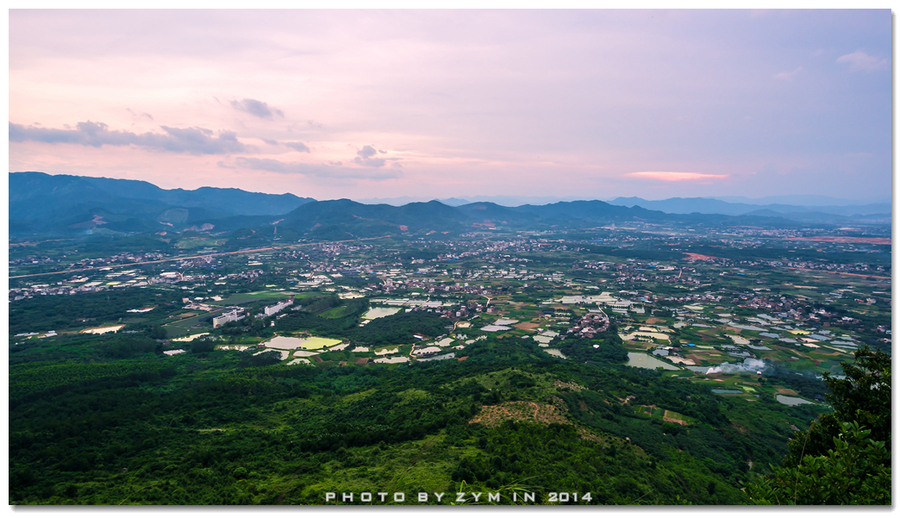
664, 415
522, 411
315, 343
102, 330
527, 326
494, 328
447, 356
555, 352
645, 361
285, 342
374, 313
792, 401
395, 359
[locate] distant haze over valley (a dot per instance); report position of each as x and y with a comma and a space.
798, 200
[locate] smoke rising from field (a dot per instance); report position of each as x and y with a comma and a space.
751, 365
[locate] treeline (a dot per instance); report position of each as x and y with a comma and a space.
45, 313
806, 384
82, 347
609, 348
401, 328
393, 329
30, 382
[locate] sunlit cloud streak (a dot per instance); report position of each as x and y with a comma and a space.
673, 176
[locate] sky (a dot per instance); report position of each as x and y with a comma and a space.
366, 104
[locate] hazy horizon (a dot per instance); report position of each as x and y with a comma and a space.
550, 104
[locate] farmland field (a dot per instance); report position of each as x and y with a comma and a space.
316, 342
290, 343
284, 342
647, 362
380, 312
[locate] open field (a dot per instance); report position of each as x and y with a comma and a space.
379, 312
646, 361
315, 343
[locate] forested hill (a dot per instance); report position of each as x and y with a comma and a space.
40, 203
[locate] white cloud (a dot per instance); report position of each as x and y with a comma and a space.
859, 60
788, 76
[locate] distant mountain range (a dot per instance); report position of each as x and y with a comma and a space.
506, 201
345, 219
803, 209
795, 212
804, 200
42, 204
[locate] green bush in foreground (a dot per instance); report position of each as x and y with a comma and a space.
853, 473
844, 457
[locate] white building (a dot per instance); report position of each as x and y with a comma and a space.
275, 308
230, 316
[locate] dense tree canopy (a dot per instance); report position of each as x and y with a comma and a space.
844, 457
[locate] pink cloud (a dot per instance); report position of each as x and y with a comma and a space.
672, 176
468, 101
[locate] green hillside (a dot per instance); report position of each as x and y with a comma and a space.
221, 428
